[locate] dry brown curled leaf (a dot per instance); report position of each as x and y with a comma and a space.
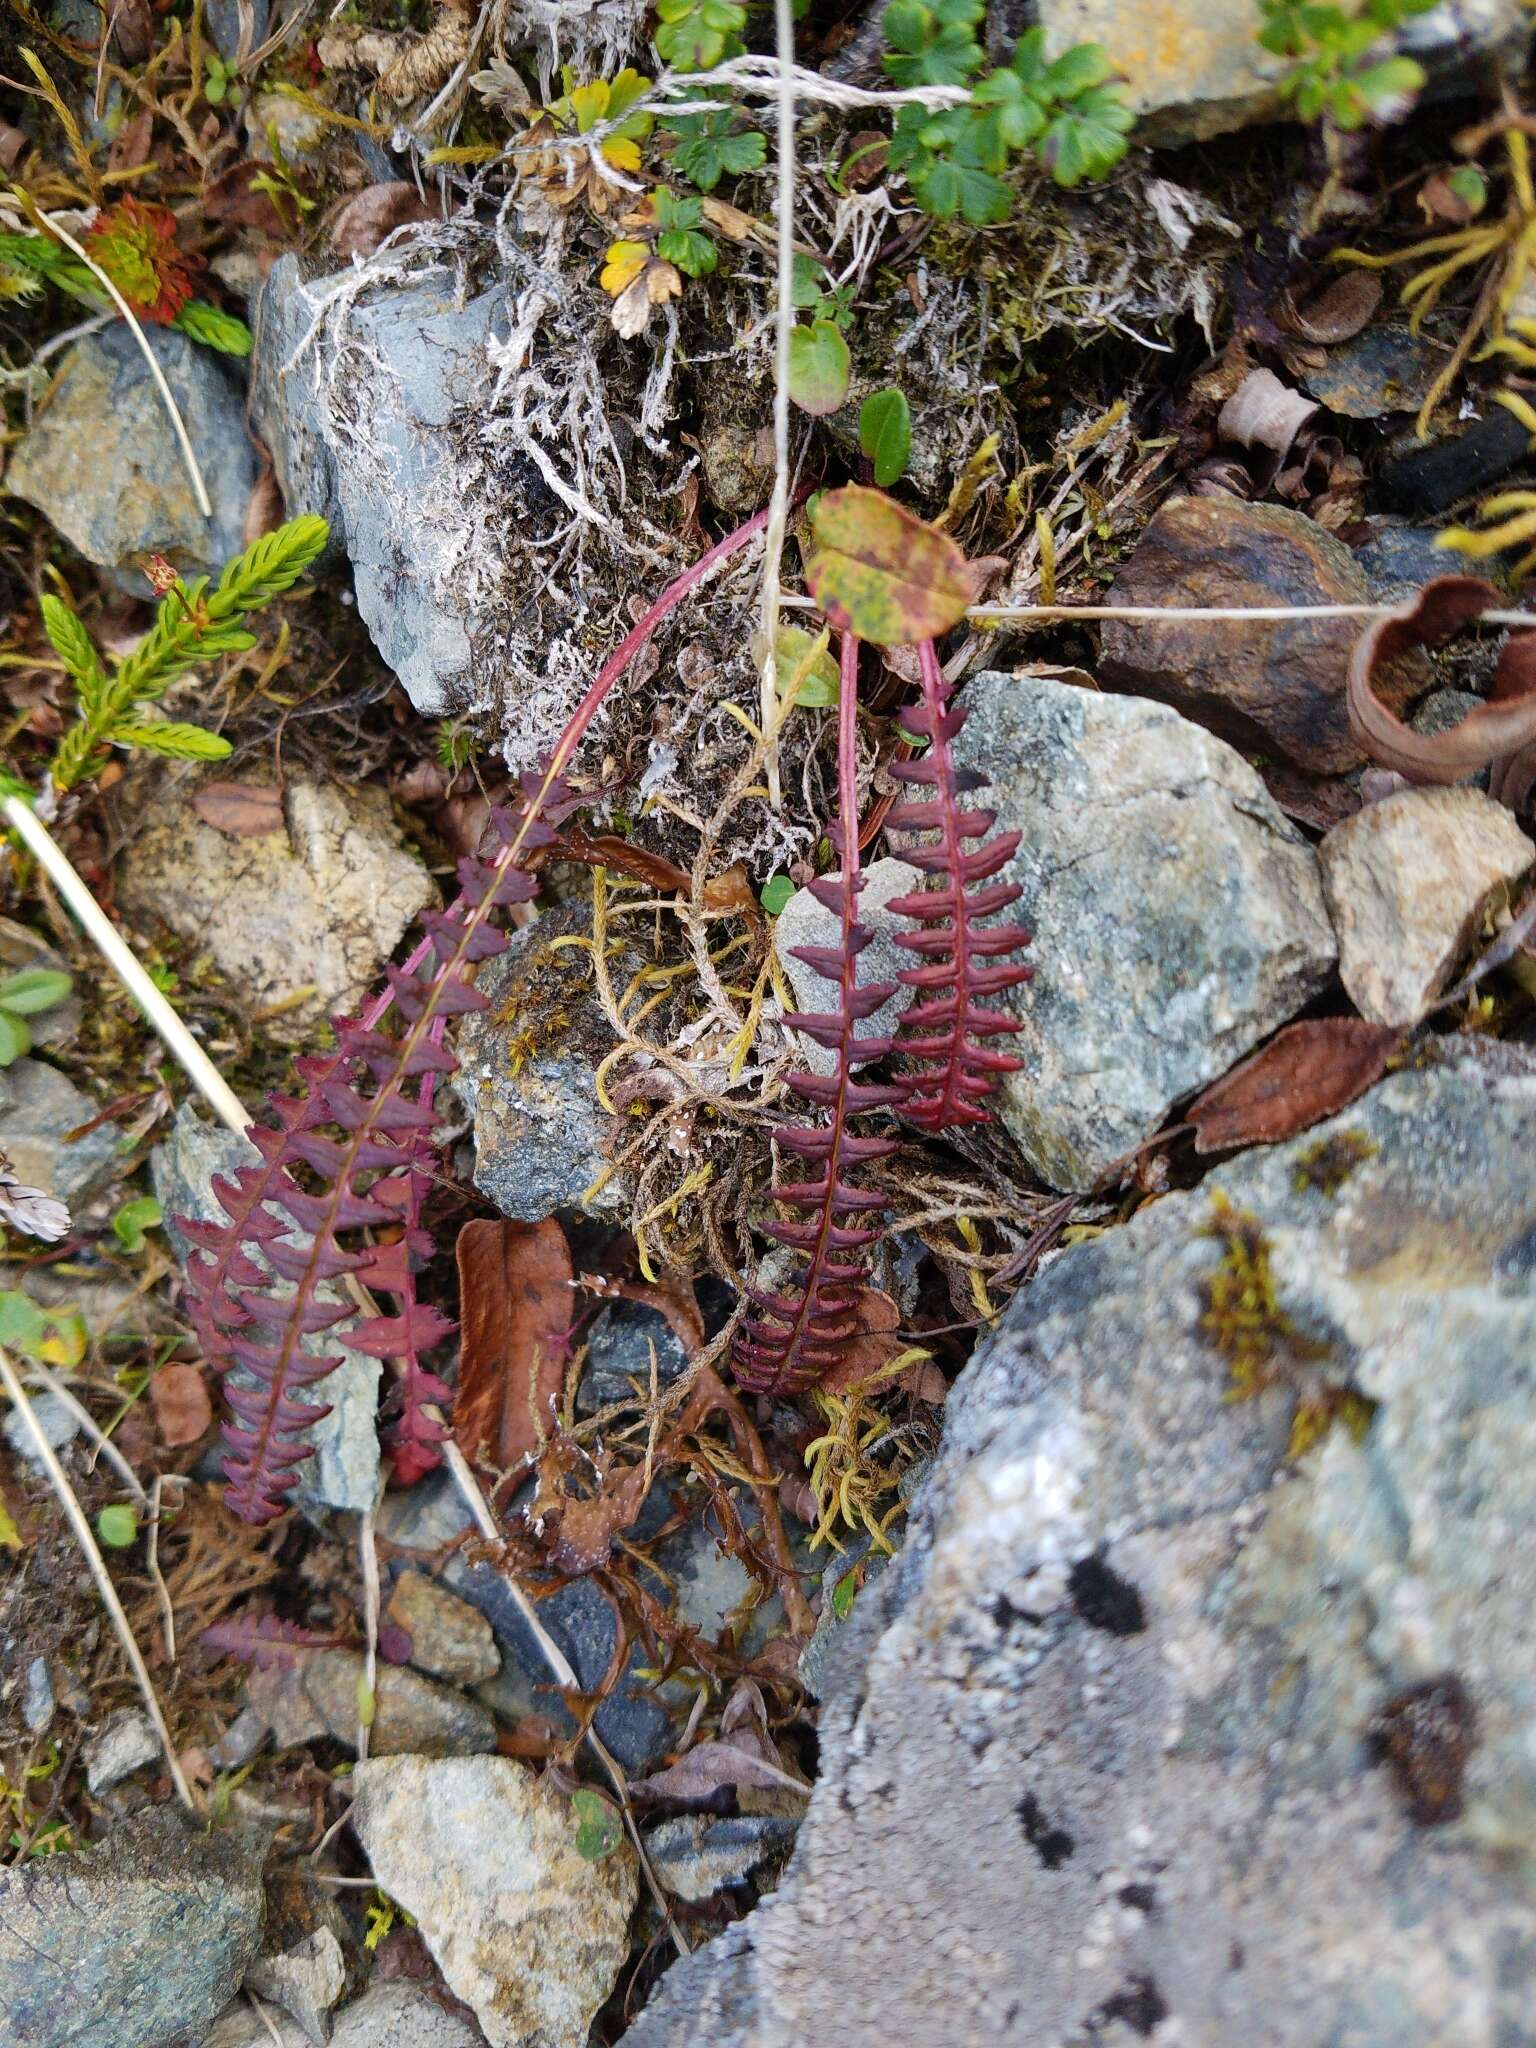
183, 1411
374, 213
1500, 734
1263, 414
515, 1311
1337, 313
1307, 1072
245, 810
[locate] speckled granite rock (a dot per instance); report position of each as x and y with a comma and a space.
1177, 917
482, 1854
805, 922
1098, 1758
317, 906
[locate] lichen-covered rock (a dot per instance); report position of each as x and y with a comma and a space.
1101, 1753
103, 463
344, 1470
1177, 916
805, 922
1266, 687
1193, 71
318, 1696
135, 1944
482, 1854
1407, 881
302, 918
525, 1075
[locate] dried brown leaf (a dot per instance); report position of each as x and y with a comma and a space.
514, 1319
1338, 312
1501, 732
872, 1343
374, 213
245, 810
183, 1411
1307, 1072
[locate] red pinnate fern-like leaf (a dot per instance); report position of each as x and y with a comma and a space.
352, 1154
793, 1338
962, 960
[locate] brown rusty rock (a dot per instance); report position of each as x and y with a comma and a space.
1269, 687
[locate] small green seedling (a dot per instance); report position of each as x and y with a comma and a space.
23, 995
118, 1526
598, 1831
133, 1219
777, 891
885, 434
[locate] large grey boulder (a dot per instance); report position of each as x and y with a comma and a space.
1178, 918
1100, 1750
103, 464
136, 1944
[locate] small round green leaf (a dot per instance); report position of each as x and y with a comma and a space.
117, 1526
133, 1219
598, 1830
885, 433
15, 1038
819, 368
777, 891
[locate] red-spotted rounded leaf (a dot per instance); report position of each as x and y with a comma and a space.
882, 573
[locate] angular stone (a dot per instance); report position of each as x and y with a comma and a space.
1192, 71
483, 1855
39, 1107
102, 460
695, 1855
1264, 687
135, 1944
412, 1716
386, 2016
123, 1745
805, 922
1177, 916
1407, 881
1103, 1765
344, 1471
305, 1979
620, 1343
318, 906
448, 1638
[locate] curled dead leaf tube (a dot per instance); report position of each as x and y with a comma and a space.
1499, 735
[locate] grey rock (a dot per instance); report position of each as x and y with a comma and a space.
236, 27
805, 922
1177, 916
1397, 561
241, 1740
694, 1856
318, 1694
1192, 71
59, 1425
620, 1344
1408, 880
38, 1704
710, 1999
318, 906
540, 1133
1443, 709
135, 1944
344, 1471
448, 1637
386, 2016
305, 1979
125, 1744
38, 1109
378, 459
1386, 368
482, 1854
1103, 1764
103, 464
635, 1726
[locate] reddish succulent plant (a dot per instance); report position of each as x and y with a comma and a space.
135, 244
